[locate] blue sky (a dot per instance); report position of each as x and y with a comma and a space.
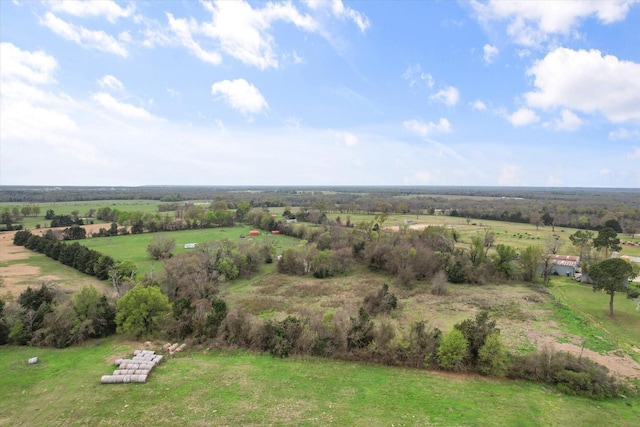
492, 93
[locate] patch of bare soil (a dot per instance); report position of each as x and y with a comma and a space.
619, 365
15, 278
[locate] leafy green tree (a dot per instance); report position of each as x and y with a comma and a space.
4, 328
493, 356
476, 332
530, 260
611, 275
583, 240
608, 239
141, 311
95, 317
503, 260
452, 350
614, 224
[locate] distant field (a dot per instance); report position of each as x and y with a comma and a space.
203, 388
65, 208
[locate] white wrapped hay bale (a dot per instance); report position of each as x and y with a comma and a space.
33, 361
112, 379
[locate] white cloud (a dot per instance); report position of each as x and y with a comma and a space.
414, 75
523, 117
31, 113
240, 95
122, 108
425, 129
345, 138
183, 31
554, 181
568, 121
587, 81
448, 96
107, 8
33, 67
623, 133
243, 32
478, 105
110, 82
530, 23
490, 53
89, 39
510, 175
635, 154
339, 10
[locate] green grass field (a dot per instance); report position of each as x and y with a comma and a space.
134, 247
592, 310
204, 388
65, 208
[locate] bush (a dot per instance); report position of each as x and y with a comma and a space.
381, 301
570, 374
141, 311
452, 351
439, 285
161, 247
493, 356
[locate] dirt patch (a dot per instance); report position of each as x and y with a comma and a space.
15, 278
620, 365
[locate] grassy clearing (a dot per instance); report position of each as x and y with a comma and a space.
237, 388
134, 247
40, 266
592, 311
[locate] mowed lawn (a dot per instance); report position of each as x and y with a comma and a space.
594, 306
203, 388
133, 247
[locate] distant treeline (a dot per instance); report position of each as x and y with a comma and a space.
563, 207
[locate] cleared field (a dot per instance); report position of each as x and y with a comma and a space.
203, 388
133, 247
65, 208
623, 329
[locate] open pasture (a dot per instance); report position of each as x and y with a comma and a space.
133, 247
203, 388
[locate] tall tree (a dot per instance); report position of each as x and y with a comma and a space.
608, 240
611, 275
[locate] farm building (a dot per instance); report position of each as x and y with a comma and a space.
565, 265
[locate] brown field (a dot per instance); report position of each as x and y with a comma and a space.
16, 276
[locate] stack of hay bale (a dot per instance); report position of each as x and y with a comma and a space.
173, 348
134, 370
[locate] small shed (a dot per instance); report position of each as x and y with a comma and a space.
254, 233
564, 265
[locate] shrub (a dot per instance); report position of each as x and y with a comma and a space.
141, 311
439, 285
452, 351
381, 301
493, 356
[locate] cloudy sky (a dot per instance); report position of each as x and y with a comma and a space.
494, 93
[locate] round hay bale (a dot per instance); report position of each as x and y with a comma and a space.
126, 379
138, 378
33, 361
